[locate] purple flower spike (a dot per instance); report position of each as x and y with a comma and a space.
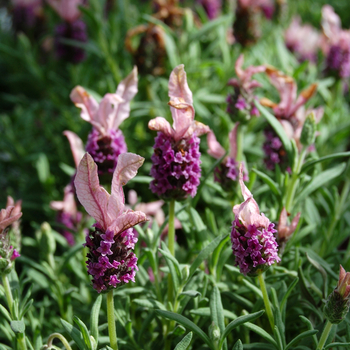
176, 164
252, 236
228, 170
336, 44
72, 31
211, 7
111, 260
241, 102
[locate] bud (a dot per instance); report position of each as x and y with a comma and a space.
338, 302
46, 240
308, 132
214, 332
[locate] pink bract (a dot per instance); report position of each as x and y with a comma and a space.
113, 108
108, 209
181, 106
67, 9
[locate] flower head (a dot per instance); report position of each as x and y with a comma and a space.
228, 170
111, 261
338, 302
67, 9
68, 214
335, 44
241, 102
211, 7
106, 141
8, 217
252, 235
303, 40
176, 163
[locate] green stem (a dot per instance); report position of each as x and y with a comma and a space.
240, 136
8, 293
266, 300
61, 338
21, 338
295, 180
324, 335
111, 321
171, 230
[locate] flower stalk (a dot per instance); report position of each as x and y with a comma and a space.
266, 300
112, 331
324, 335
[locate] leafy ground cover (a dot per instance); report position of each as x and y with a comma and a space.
197, 118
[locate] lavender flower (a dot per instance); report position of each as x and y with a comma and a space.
8, 254
252, 236
227, 172
176, 159
302, 40
111, 260
72, 31
338, 302
211, 7
336, 44
67, 214
27, 14
72, 28
285, 231
241, 103
106, 141
290, 112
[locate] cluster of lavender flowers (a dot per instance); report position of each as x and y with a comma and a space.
336, 44
111, 260
290, 112
175, 162
175, 167
240, 104
228, 170
27, 14
252, 236
8, 217
211, 7
274, 150
106, 149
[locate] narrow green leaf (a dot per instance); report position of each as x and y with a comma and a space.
267, 179
5, 313
217, 313
205, 312
191, 293
303, 286
334, 345
149, 303
172, 269
301, 336
277, 126
323, 273
185, 342
261, 332
84, 331
320, 179
290, 288
204, 254
198, 222
26, 308
239, 321
75, 334
166, 253
95, 311
186, 323
313, 162
311, 328
252, 287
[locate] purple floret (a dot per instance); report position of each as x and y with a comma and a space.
105, 150
73, 31
338, 61
211, 7
175, 167
274, 151
255, 248
111, 264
